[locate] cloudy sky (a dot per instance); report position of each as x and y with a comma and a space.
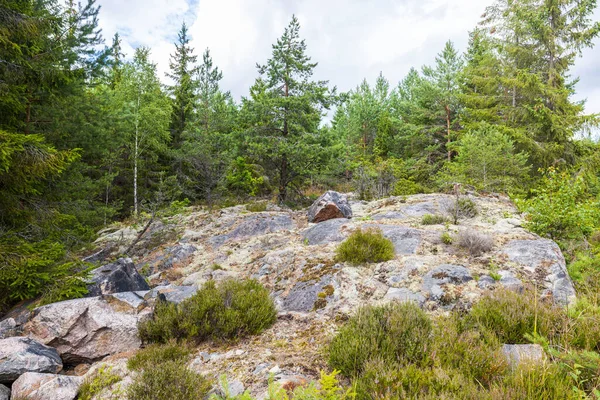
350, 39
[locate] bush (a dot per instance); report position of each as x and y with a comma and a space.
446, 238
396, 333
155, 354
382, 380
364, 247
433, 219
461, 207
168, 380
226, 310
95, 384
257, 207
475, 243
512, 316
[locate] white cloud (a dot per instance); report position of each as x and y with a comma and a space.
350, 39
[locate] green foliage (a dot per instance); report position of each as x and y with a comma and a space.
257, 207
512, 316
433, 219
244, 178
561, 208
487, 161
446, 238
365, 247
227, 310
97, 382
398, 333
154, 354
168, 380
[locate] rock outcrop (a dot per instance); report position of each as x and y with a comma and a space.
4, 392
330, 205
117, 277
36, 386
88, 329
19, 355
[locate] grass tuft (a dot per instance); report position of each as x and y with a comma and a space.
368, 246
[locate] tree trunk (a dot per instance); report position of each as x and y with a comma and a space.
448, 132
135, 160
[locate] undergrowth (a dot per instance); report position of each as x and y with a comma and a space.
365, 246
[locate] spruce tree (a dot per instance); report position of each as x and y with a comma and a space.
182, 71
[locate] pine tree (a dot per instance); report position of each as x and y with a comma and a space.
285, 109
183, 71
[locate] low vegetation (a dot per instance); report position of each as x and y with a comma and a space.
398, 351
365, 246
218, 311
97, 382
161, 373
476, 243
433, 219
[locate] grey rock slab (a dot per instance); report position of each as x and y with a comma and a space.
117, 277
405, 240
516, 354
177, 255
22, 354
485, 282
325, 232
543, 256
404, 295
4, 392
511, 282
36, 386
255, 225
442, 275
88, 329
329, 205
172, 293
409, 211
303, 295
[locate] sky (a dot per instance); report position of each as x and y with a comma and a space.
350, 39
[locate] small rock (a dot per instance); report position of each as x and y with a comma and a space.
234, 388
117, 277
330, 205
172, 293
4, 392
7, 328
509, 281
260, 369
304, 295
291, 382
36, 386
404, 295
485, 282
518, 353
444, 274
275, 370
22, 354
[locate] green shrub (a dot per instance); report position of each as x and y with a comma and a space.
512, 316
433, 219
168, 380
536, 381
382, 380
562, 208
96, 383
446, 238
226, 310
397, 333
364, 247
155, 354
257, 207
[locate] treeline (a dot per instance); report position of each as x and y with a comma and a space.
88, 136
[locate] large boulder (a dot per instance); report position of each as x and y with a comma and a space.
4, 392
542, 258
120, 276
88, 329
329, 206
22, 354
36, 386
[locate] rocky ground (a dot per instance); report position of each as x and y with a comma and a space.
294, 259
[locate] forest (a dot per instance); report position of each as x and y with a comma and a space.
89, 136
